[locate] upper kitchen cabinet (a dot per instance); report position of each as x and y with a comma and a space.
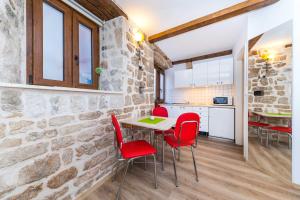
183, 78
220, 72
226, 71
199, 74
213, 72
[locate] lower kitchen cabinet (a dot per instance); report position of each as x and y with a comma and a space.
221, 123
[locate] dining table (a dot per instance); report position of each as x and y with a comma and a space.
263, 115
152, 123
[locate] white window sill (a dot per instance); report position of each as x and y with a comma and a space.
52, 88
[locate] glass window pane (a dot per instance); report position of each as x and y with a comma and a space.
53, 43
85, 55
161, 87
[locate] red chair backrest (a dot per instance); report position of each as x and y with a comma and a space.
187, 127
160, 112
117, 130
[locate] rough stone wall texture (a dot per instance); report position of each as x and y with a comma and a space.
57, 144
161, 60
12, 38
277, 86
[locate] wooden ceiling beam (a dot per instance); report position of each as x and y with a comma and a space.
203, 57
218, 16
253, 41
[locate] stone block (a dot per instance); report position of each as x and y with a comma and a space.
78, 104
62, 178
10, 142
86, 176
88, 149
67, 156
104, 142
2, 130
23, 153
11, 101
95, 160
61, 120
35, 105
87, 135
67, 130
30, 193
39, 169
62, 142
56, 195
58, 105
283, 100
20, 126
90, 115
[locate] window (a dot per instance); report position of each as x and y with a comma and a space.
65, 46
160, 85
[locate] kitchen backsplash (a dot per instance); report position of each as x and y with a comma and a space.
202, 95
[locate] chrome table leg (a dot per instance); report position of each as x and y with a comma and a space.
155, 175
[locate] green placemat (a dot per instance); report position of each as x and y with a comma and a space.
149, 121
280, 114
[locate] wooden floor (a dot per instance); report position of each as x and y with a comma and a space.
223, 174
274, 160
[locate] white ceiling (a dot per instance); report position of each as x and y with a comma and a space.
154, 16
278, 36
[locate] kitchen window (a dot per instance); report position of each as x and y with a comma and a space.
65, 46
160, 85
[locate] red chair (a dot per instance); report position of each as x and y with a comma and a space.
161, 112
132, 150
283, 129
185, 134
259, 126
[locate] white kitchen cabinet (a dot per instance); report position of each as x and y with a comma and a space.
221, 123
199, 74
226, 71
203, 113
183, 78
213, 72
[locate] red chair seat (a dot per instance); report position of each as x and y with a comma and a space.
173, 142
137, 148
282, 129
258, 124
168, 132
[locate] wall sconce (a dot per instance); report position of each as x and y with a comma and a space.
267, 56
139, 38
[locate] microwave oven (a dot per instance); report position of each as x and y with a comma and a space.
223, 101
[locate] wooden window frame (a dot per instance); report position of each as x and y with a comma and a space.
158, 98
80, 19
34, 40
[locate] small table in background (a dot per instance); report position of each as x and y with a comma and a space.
159, 123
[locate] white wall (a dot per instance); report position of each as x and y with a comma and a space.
239, 82
296, 95
262, 20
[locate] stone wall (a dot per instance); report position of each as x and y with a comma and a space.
161, 60
277, 86
56, 144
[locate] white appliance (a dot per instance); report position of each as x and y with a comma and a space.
225, 101
221, 123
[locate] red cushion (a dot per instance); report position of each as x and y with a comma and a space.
173, 142
168, 132
258, 124
136, 149
282, 129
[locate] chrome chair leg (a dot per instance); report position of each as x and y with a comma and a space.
290, 141
116, 171
155, 174
163, 156
174, 165
195, 166
145, 167
178, 158
121, 184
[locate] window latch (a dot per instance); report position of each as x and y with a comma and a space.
76, 58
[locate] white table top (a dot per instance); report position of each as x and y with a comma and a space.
161, 126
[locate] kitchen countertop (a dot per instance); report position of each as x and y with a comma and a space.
198, 105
